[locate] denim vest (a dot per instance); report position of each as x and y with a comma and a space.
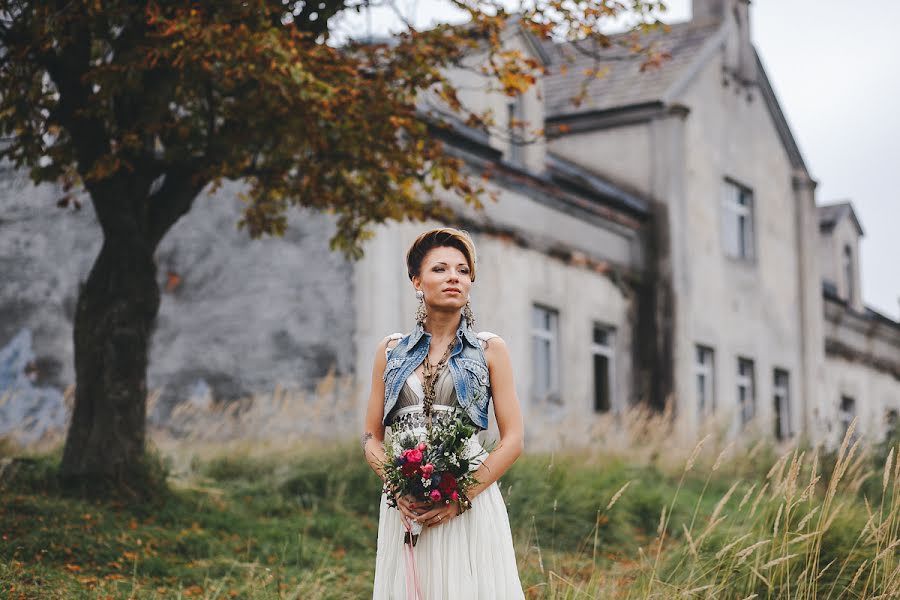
467, 365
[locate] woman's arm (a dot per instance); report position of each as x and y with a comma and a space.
509, 417
373, 438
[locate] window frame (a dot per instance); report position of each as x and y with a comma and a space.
738, 207
708, 371
845, 417
553, 393
781, 396
849, 268
608, 352
747, 406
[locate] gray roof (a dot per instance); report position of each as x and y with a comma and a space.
624, 84
831, 214
568, 174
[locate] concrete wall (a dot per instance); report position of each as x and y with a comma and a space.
244, 316
875, 393
622, 154
811, 387
862, 362
831, 255
737, 307
828, 259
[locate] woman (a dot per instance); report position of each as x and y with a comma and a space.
465, 549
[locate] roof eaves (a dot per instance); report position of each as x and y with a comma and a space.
601, 200
831, 214
593, 120
882, 318
781, 124
534, 44
568, 174
457, 133
856, 221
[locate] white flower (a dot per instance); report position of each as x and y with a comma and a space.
426, 482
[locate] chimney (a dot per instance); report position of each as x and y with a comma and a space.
708, 10
743, 59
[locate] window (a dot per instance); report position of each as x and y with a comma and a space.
737, 221
846, 414
746, 389
545, 350
515, 119
704, 370
848, 273
782, 396
602, 352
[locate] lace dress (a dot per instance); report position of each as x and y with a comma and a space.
471, 556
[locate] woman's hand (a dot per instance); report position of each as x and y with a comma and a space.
410, 508
439, 514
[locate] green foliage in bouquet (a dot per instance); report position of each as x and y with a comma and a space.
433, 466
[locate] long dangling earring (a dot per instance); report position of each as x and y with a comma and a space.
469, 315
421, 313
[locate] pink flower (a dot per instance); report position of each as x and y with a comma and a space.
454, 496
421, 447
435, 495
414, 456
428, 469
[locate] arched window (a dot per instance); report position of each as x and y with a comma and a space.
849, 275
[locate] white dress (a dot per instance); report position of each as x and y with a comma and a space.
470, 557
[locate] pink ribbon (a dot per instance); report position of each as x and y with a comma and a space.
412, 576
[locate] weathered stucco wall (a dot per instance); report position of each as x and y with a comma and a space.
740, 308
831, 252
874, 392
623, 154
241, 315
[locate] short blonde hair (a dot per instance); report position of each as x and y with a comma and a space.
439, 238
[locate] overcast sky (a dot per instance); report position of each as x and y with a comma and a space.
836, 71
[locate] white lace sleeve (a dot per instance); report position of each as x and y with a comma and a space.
484, 336
389, 339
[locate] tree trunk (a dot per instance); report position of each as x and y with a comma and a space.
114, 320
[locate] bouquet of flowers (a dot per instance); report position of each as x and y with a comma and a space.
433, 466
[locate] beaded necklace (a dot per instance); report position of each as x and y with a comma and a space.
431, 373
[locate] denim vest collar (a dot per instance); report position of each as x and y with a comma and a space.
463, 332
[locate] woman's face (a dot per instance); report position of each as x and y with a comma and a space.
445, 278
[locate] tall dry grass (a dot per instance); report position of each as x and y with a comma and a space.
733, 519
798, 532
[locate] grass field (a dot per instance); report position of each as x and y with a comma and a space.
244, 520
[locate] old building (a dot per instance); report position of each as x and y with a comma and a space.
862, 363
741, 304
663, 243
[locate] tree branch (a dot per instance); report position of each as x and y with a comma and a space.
173, 200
